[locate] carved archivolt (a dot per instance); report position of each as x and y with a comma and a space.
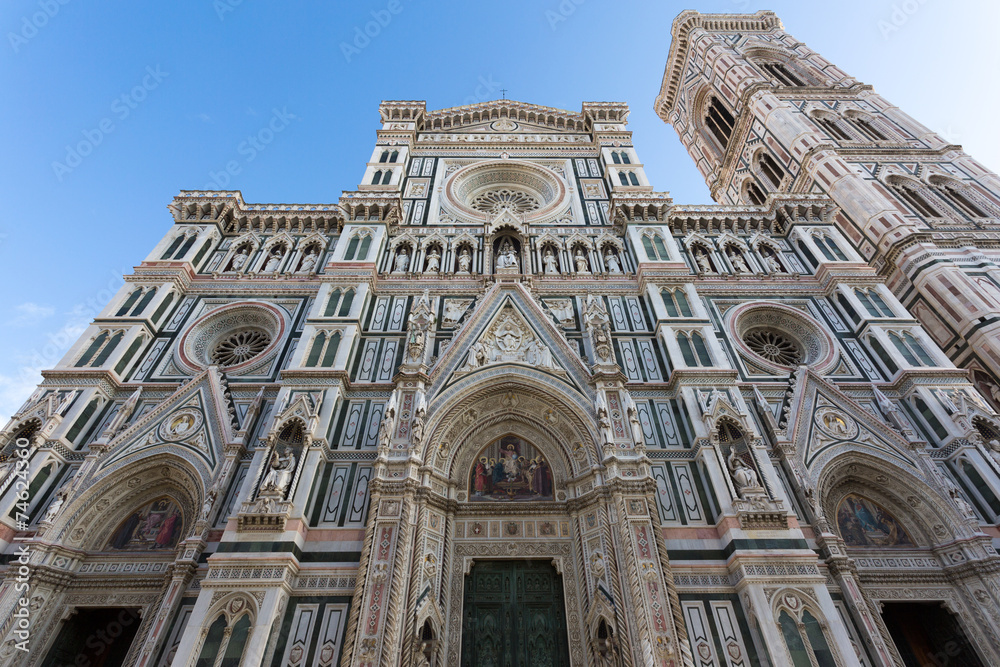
87, 522
927, 515
467, 419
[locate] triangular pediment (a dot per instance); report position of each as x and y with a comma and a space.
831, 423
507, 327
195, 423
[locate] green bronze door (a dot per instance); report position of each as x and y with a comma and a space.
514, 616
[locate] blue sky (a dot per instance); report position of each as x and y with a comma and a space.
164, 95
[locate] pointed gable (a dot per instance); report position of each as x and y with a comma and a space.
195, 422
509, 327
829, 422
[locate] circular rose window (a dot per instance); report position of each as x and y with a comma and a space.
484, 190
773, 346
777, 337
497, 201
240, 337
240, 346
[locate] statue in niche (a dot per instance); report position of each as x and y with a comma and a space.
402, 262
611, 261
736, 259
507, 257
433, 261
744, 477
309, 261
274, 259
417, 427
239, 259
550, 262
581, 261
279, 476
465, 260
704, 263
55, 506
771, 261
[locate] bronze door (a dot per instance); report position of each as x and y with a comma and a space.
514, 616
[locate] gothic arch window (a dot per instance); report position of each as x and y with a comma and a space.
655, 248
752, 194
387, 177
82, 421
805, 639
911, 350
377, 177
186, 247
981, 488
129, 302
882, 355
807, 254
675, 301
915, 196
620, 157
339, 304
832, 125
226, 642
623, 178
100, 349
324, 350
345, 305
205, 247
173, 247
720, 122
385, 157
848, 308
829, 248
632, 178
144, 302
873, 303
769, 171
394, 156
129, 354
930, 418
782, 74
865, 126
693, 349
357, 247
961, 197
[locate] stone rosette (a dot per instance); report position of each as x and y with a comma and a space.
194, 353
819, 350
541, 184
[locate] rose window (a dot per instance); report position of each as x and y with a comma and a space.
240, 346
498, 201
773, 346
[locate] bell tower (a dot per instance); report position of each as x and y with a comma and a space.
761, 113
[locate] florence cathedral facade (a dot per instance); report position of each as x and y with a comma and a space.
507, 404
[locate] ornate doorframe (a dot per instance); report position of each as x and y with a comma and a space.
467, 552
